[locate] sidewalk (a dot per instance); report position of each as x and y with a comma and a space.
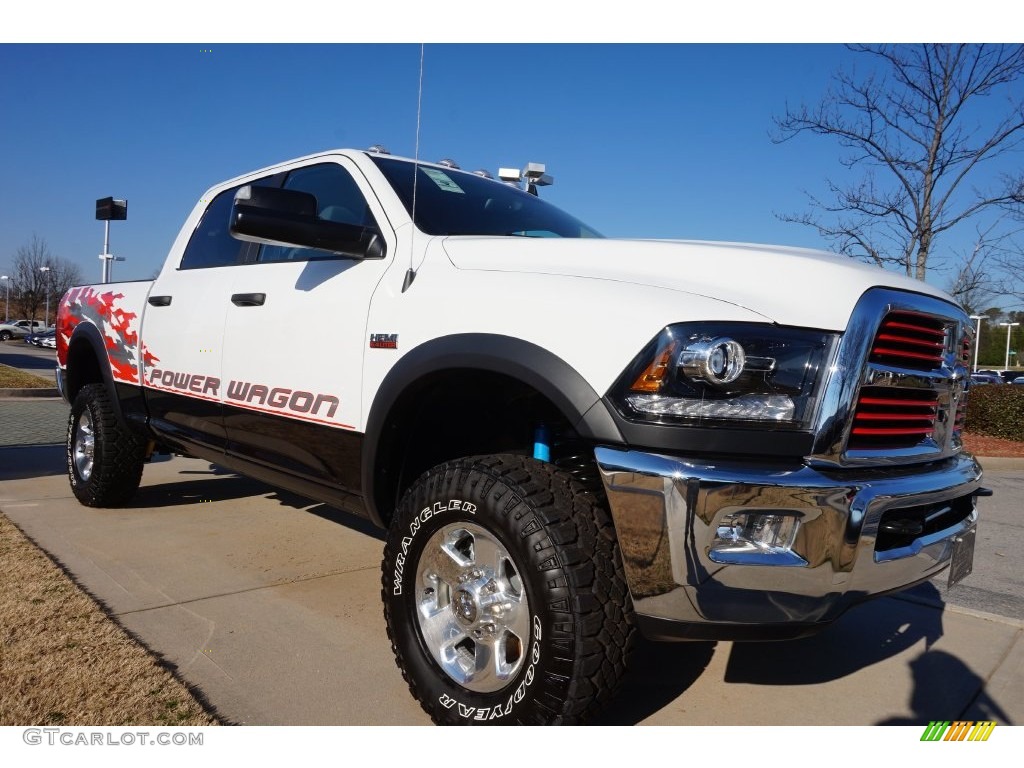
271, 606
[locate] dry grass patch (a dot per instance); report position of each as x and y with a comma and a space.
12, 378
64, 662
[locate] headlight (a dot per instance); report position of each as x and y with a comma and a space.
703, 373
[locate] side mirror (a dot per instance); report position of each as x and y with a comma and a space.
288, 217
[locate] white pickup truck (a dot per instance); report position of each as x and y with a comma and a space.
568, 438
20, 328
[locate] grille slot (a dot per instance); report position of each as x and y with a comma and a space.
893, 418
909, 340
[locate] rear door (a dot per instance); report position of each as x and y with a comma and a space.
183, 331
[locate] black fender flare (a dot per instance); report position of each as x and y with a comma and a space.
88, 333
535, 366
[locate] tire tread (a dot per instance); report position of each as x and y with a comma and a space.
582, 535
118, 459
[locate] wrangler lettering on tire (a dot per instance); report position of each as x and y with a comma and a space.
504, 596
104, 459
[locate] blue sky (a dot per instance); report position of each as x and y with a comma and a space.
644, 140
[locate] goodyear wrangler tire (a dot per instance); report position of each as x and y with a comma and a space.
104, 459
504, 596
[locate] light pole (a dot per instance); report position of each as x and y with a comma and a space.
7, 302
107, 210
46, 288
108, 259
1009, 330
977, 340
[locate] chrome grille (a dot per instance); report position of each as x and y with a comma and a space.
896, 394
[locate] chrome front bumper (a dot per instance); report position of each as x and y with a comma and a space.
668, 510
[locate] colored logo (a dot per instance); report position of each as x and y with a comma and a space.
958, 730
383, 341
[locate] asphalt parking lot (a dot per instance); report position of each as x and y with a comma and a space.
271, 606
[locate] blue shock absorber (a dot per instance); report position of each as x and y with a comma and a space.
542, 443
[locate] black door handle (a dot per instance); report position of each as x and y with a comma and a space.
248, 299
160, 301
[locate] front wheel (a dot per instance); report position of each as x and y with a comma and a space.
104, 458
5, 335
504, 596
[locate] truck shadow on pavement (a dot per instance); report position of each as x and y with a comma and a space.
944, 688
20, 462
219, 484
941, 683
659, 673
865, 635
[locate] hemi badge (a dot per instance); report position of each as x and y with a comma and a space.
383, 341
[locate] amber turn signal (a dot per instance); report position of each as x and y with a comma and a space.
650, 380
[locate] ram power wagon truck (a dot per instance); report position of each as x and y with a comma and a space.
569, 439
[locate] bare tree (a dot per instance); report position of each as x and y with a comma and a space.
1009, 256
971, 286
910, 127
33, 284
985, 273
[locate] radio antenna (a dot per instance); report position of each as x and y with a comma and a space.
410, 275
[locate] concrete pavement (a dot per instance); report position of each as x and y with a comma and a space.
271, 606
33, 421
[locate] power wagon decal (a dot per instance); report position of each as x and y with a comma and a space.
297, 403
117, 327
121, 341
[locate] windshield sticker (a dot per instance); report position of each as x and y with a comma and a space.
443, 180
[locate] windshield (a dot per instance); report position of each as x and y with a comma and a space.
450, 202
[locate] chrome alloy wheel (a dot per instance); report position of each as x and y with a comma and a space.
471, 609
84, 447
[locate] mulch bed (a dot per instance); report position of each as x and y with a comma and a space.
983, 445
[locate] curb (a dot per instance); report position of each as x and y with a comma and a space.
34, 392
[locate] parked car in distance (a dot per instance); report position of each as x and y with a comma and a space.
19, 328
43, 339
985, 378
1005, 377
1018, 380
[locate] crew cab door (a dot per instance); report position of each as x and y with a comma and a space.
182, 333
294, 339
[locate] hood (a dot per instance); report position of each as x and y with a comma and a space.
789, 286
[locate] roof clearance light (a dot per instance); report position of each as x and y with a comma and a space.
509, 174
449, 163
536, 176
380, 149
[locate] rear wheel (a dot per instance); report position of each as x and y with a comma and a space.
5, 335
104, 458
504, 596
